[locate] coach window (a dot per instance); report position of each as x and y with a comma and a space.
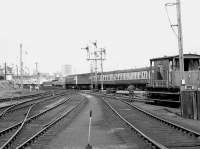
120, 76
125, 76
117, 77
129, 76
133, 75
111, 77
145, 75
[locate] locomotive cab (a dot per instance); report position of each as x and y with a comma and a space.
165, 73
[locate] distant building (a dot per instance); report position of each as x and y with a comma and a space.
9, 72
66, 70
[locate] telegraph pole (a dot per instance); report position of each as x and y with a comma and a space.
91, 73
94, 57
21, 67
5, 70
37, 73
96, 78
17, 71
101, 53
36, 67
180, 43
101, 69
95, 60
91, 67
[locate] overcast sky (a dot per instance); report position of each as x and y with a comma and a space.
132, 31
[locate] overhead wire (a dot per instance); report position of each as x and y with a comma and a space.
171, 25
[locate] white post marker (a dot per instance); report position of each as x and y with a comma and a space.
30, 88
89, 132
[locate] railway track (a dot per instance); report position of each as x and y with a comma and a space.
22, 97
157, 132
34, 124
13, 107
15, 113
21, 100
13, 117
163, 102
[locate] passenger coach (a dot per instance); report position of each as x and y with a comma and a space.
162, 76
121, 79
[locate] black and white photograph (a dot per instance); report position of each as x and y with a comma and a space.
99, 74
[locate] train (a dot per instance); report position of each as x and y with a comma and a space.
161, 79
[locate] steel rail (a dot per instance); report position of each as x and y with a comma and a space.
30, 118
139, 99
17, 104
151, 141
12, 138
47, 126
175, 125
38, 96
179, 127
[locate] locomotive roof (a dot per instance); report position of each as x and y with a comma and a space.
188, 56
